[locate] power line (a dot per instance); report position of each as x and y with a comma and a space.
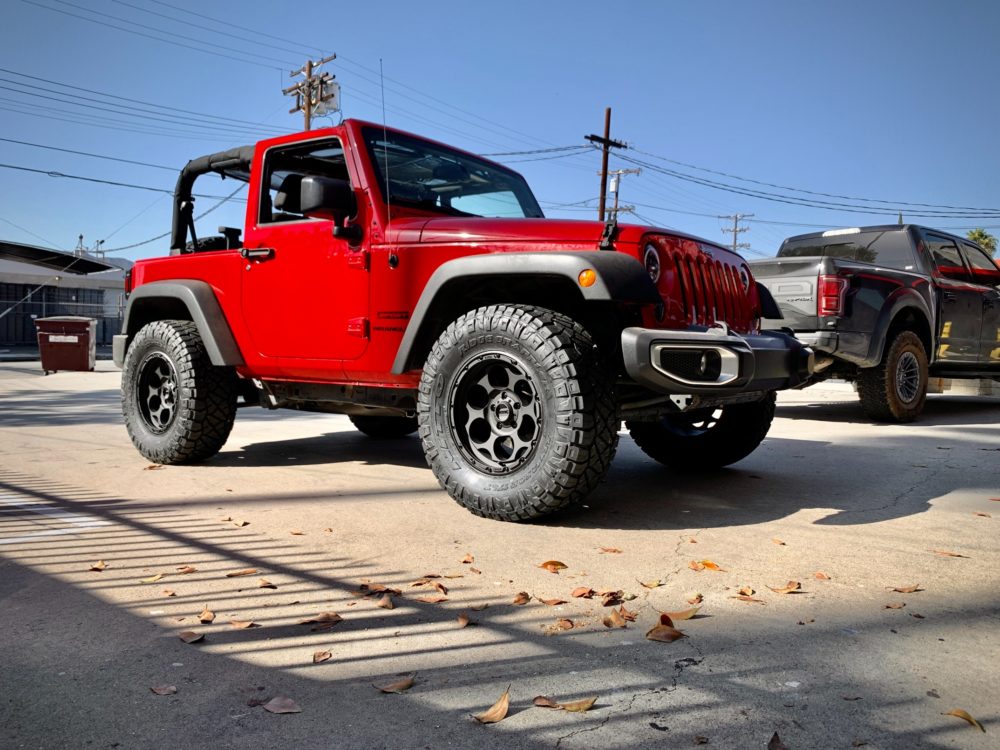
812, 192
86, 153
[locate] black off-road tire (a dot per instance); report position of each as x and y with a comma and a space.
705, 439
384, 428
517, 412
178, 407
896, 389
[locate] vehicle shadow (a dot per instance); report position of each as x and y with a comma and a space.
330, 448
941, 409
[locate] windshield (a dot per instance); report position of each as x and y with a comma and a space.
889, 248
437, 179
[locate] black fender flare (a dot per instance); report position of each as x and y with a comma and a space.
895, 304
619, 278
148, 301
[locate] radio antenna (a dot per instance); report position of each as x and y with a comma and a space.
393, 258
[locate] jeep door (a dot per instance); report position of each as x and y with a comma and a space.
959, 302
302, 296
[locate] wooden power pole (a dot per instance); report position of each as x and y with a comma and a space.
314, 94
606, 145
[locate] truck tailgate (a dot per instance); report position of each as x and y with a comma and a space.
792, 283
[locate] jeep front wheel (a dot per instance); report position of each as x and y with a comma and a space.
178, 406
517, 412
705, 438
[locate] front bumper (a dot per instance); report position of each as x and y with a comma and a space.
713, 361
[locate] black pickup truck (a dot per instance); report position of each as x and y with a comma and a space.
888, 307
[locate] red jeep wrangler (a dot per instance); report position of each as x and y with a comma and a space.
412, 287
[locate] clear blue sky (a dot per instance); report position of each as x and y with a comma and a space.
889, 100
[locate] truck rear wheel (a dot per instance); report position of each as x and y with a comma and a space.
178, 406
705, 438
896, 389
384, 427
517, 412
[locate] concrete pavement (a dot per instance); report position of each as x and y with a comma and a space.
319, 511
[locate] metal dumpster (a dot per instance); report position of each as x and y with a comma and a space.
67, 342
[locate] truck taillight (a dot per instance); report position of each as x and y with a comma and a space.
128, 281
830, 295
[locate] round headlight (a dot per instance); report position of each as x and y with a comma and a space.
651, 260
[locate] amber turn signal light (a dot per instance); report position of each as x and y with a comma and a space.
587, 277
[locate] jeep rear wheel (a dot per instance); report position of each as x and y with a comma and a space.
386, 428
517, 412
896, 389
705, 438
178, 407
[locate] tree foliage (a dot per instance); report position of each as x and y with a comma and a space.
984, 239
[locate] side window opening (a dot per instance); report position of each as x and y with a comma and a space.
948, 261
985, 270
284, 168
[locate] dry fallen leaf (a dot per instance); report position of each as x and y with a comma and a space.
328, 530
296, 532
581, 706
243, 624
432, 599
189, 636
99, 566
385, 602
564, 624
611, 551
651, 584
468, 559
440, 587
946, 553
821, 576
709, 565
686, 614
164, 689
807, 622
152, 467
748, 599
323, 618
895, 605
664, 633
479, 607
611, 598
399, 686
915, 615
961, 714
186, 569
169, 592
614, 620
265, 584
552, 602
475, 570
700, 739
244, 572
207, 615
282, 705
553, 566
543, 701
522, 597
496, 712
695, 565
695, 598
778, 542
746, 591
907, 589
321, 656
626, 614
775, 743
983, 515
463, 620
788, 588
240, 523
582, 592
153, 579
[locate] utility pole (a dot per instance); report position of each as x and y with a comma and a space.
616, 177
314, 95
606, 145
737, 230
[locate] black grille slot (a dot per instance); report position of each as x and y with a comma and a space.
700, 365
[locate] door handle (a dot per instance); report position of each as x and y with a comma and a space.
258, 253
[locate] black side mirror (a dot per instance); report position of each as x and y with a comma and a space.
327, 198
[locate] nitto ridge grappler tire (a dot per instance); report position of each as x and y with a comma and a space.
384, 428
895, 390
178, 406
517, 412
706, 438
